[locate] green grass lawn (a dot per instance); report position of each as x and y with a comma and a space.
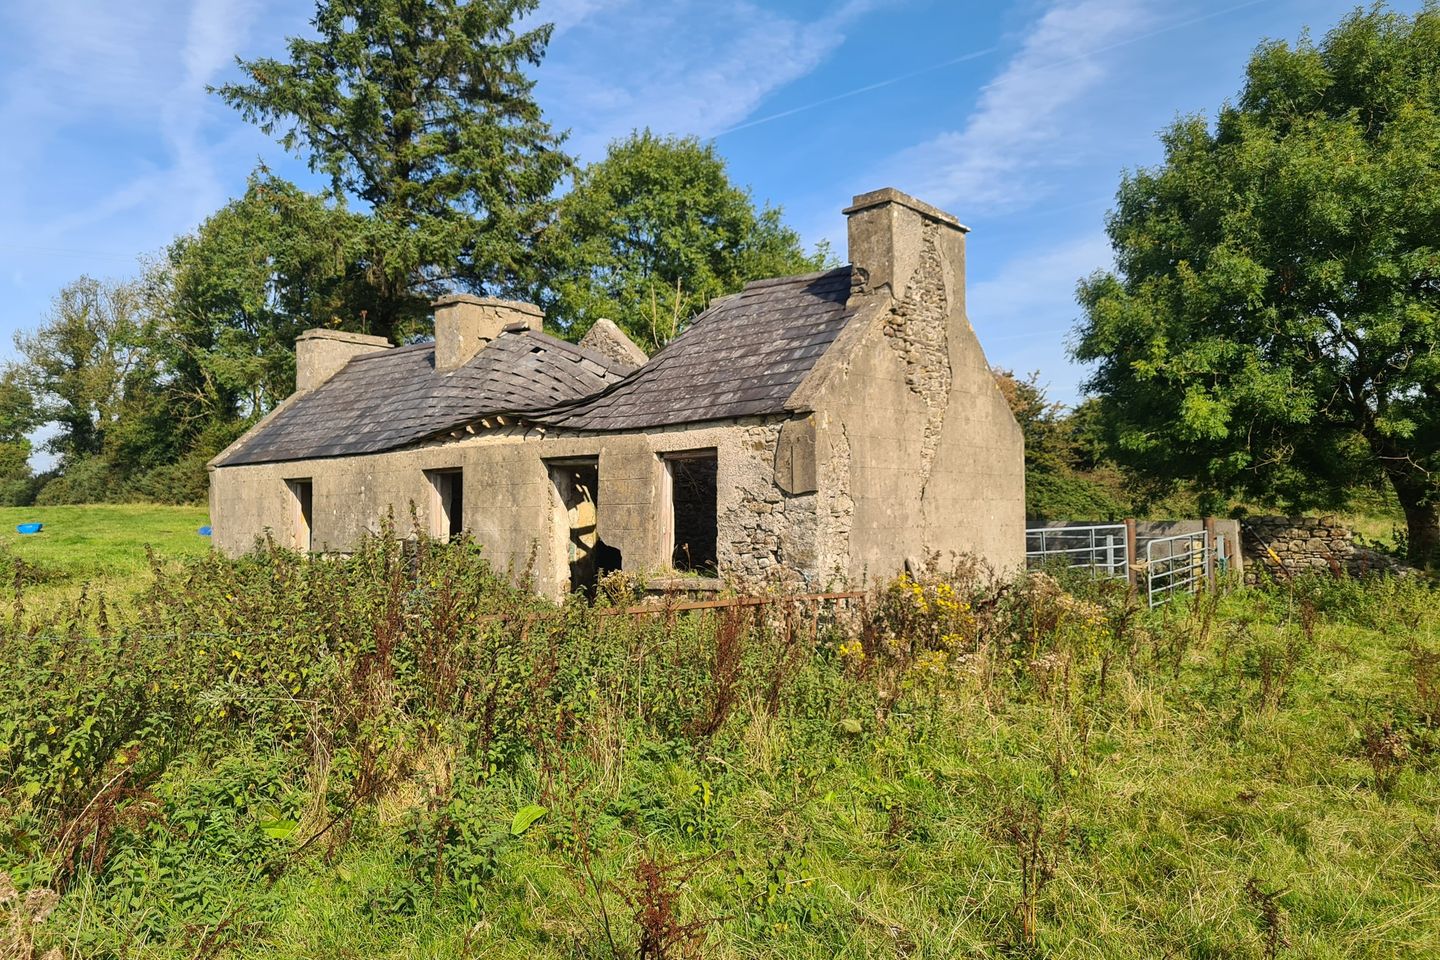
102, 543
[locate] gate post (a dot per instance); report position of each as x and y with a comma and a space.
1210, 582
1130, 559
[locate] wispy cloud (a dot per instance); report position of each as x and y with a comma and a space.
1023, 120
684, 67
1025, 312
138, 74
568, 14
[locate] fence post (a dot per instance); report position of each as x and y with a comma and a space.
1210, 581
1130, 559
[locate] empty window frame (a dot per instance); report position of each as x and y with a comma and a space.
302, 504
447, 503
690, 520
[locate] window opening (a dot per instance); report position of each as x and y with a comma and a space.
692, 521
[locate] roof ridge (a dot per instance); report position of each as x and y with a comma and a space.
796, 278
407, 348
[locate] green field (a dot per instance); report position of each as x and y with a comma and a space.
380, 757
102, 543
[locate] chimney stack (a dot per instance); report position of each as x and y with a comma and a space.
320, 353
465, 323
887, 239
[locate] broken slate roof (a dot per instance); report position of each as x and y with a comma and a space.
744, 356
393, 398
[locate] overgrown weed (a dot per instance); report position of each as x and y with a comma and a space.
401, 741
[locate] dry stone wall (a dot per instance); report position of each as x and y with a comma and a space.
1292, 545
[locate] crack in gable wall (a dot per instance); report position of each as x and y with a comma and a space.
918, 330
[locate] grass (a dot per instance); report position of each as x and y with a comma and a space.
102, 543
275, 757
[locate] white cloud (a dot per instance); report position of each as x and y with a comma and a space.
568, 14
137, 72
688, 67
1024, 116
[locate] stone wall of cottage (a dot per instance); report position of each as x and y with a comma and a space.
769, 533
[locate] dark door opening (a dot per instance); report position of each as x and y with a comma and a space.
448, 521
584, 557
302, 510
693, 496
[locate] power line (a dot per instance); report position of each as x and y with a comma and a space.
975, 55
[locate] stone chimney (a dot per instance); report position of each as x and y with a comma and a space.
320, 353
892, 234
464, 324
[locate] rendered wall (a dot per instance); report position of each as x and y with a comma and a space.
918, 451
320, 353
513, 511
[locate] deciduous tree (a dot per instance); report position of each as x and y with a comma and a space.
236, 293
1272, 328
18, 417
651, 233
86, 362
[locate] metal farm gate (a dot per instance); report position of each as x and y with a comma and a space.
1164, 567
1102, 549
1178, 564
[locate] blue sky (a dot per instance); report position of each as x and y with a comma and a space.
1017, 117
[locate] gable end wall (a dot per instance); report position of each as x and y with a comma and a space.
918, 451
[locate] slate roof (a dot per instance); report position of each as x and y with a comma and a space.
392, 398
742, 357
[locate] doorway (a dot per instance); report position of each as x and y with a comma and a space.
583, 558
447, 514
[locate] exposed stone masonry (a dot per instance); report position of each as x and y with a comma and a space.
916, 329
1306, 544
767, 531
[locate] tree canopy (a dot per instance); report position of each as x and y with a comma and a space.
654, 231
1272, 327
85, 363
423, 111
255, 274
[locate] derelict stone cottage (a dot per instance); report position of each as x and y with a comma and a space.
825, 427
